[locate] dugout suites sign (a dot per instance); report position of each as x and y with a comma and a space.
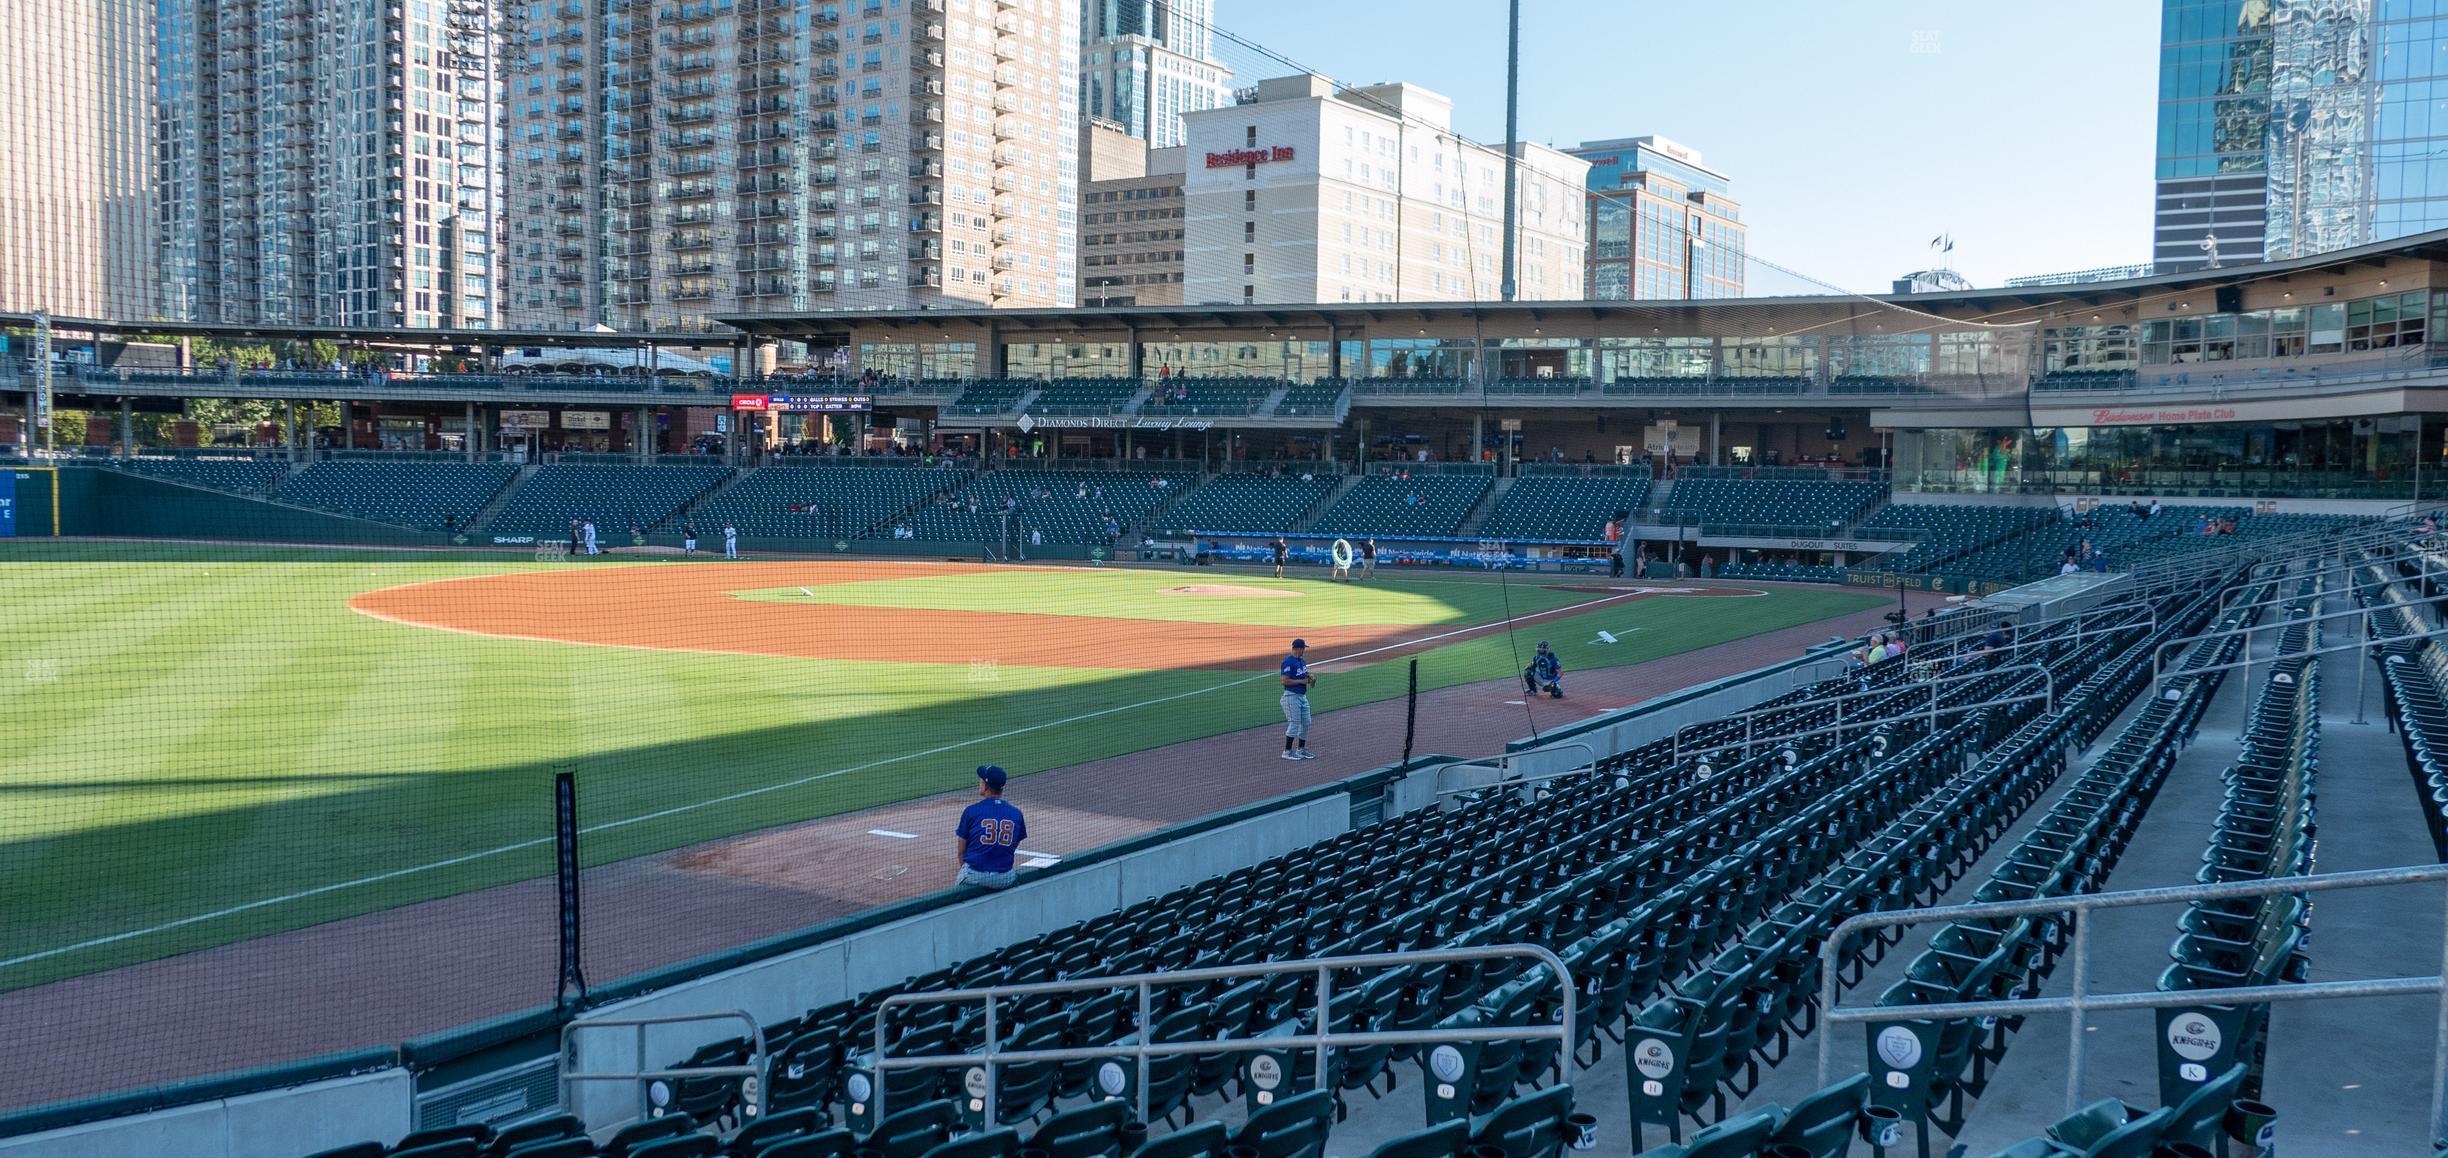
1230, 158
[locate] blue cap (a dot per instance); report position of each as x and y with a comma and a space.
992, 774
1299, 643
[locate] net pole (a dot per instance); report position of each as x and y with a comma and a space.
1411, 711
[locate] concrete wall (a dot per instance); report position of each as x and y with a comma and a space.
790, 984
275, 1124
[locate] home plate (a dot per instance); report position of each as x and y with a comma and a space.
808, 593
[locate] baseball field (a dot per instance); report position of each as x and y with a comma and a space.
208, 744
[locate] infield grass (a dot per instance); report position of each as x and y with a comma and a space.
196, 730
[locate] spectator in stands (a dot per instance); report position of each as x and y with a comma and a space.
2069, 566
1412, 499
990, 833
1895, 645
2153, 512
2001, 636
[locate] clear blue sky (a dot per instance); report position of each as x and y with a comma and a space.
1854, 130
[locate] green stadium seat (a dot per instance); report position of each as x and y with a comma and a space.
1560, 506
820, 502
615, 497
424, 495
1443, 1140
1295, 1127
829, 1144
987, 1144
249, 476
690, 1146
799, 1123
1530, 1126
1090, 1131
1199, 1141
625, 1141
552, 1129
1248, 503
1382, 506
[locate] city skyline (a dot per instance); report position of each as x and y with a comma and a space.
1878, 89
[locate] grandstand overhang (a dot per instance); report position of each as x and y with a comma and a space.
2301, 280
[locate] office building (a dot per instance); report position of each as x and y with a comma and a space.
677, 161
2289, 128
1130, 219
331, 164
1662, 226
1143, 63
1307, 193
76, 208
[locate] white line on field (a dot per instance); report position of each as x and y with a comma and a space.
747, 793
892, 834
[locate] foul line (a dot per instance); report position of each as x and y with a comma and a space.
744, 794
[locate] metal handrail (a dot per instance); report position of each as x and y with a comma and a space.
2079, 1000
1322, 1040
2224, 557
753, 1086
2048, 696
1838, 700
1503, 764
2159, 673
2092, 633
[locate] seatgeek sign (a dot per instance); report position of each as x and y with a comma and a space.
1231, 157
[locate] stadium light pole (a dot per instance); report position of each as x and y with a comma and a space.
1512, 141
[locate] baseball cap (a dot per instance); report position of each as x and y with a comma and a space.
992, 774
1542, 643
1299, 643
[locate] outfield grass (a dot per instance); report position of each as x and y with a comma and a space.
193, 729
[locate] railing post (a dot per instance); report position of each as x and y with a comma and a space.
1325, 986
2439, 1047
2074, 1026
1145, 1029
994, 1041
880, 1073
2363, 660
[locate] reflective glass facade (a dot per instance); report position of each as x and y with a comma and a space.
2294, 127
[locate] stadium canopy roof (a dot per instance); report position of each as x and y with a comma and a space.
399, 336
1973, 303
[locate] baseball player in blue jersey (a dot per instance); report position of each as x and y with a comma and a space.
1546, 671
990, 832
1296, 682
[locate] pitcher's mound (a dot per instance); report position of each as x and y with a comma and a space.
1229, 591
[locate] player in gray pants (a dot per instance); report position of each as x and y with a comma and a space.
1296, 682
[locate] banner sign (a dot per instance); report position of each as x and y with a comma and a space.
1259, 156
42, 370
805, 403
1112, 422
586, 420
526, 419
8, 507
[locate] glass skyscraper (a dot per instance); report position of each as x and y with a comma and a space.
2291, 127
